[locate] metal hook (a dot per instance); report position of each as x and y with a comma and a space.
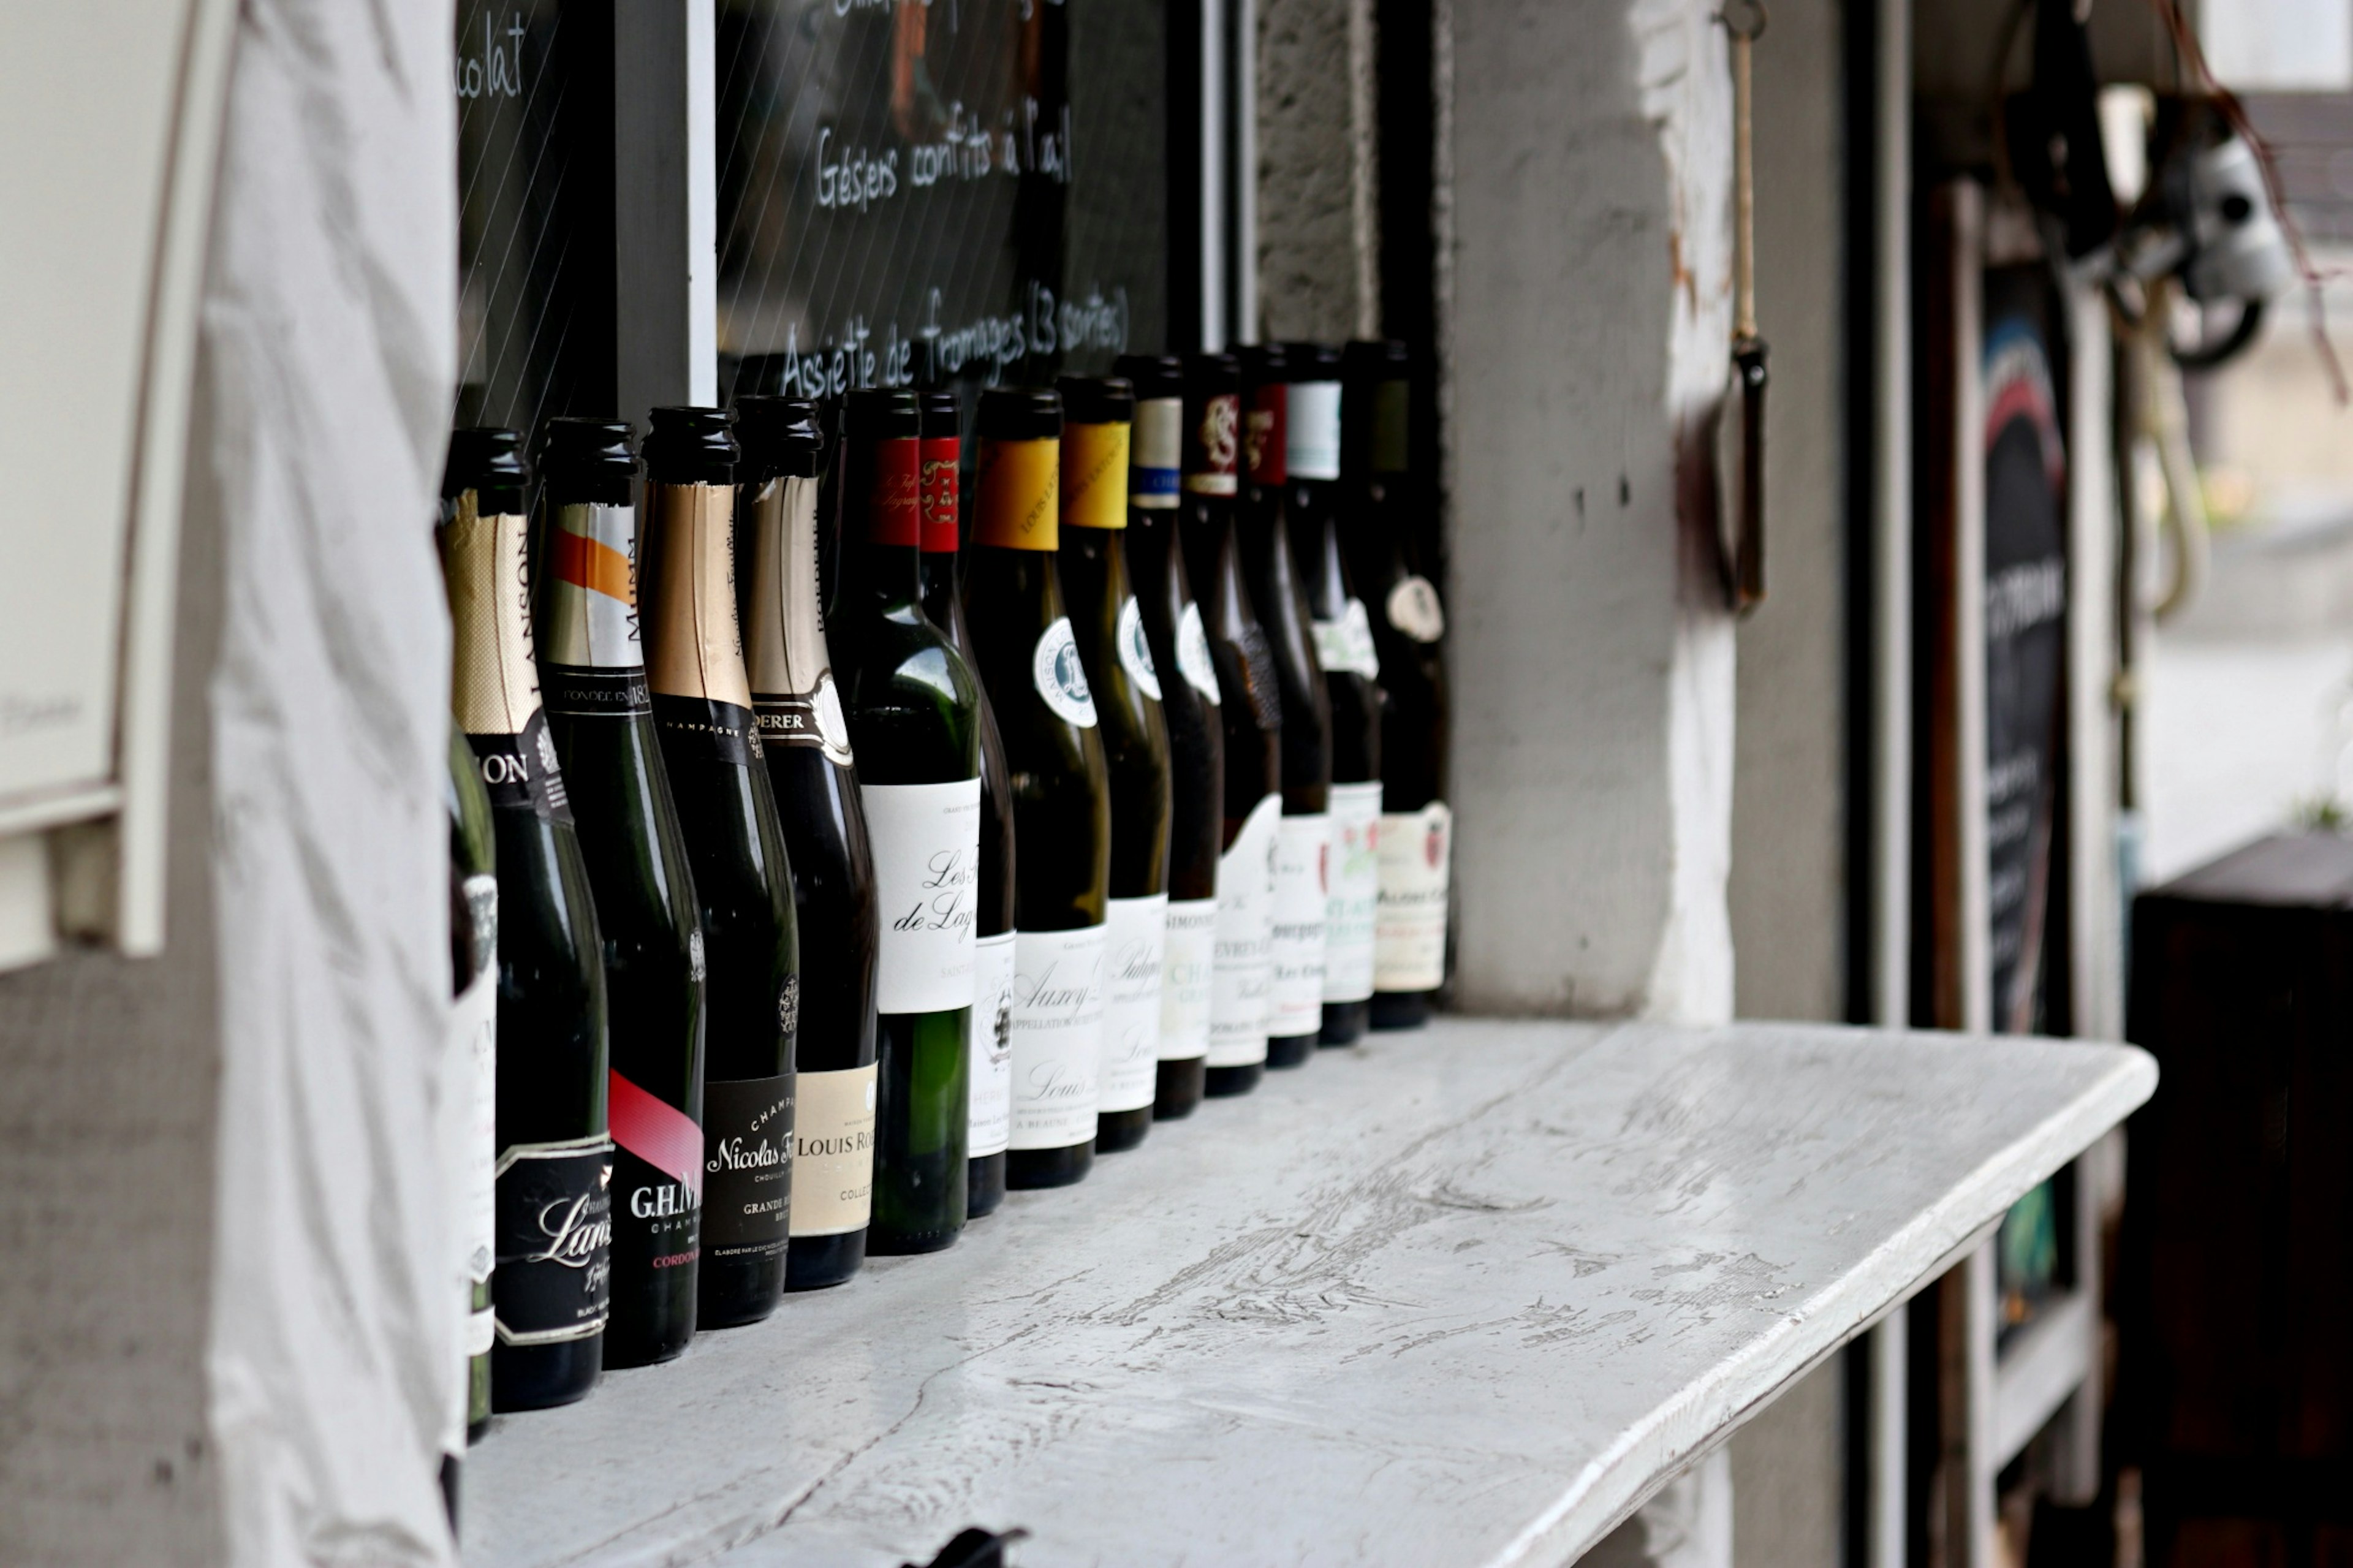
1743, 19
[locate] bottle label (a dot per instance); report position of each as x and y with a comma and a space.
656, 1219
694, 661
466, 1150
1058, 1025
813, 720
478, 1017
580, 691
1136, 933
1356, 893
1094, 475
1414, 609
1257, 663
554, 1278
893, 489
521, 771
1238, 996
1410, 930
656, 1132
494, 679
1217, 442
833, 1152
1266, 433
1187, 967
937, 492
721, 730
481, 1333
926, 845
1312, 449
747, 1165
588, 614
1134, 652
1193, 654
1020, 489
1157, 454
787, 664
991, 1124
1059, 678
1302, 891
1346, 645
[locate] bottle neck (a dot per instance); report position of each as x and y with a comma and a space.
588, 592
494, 683
784, 635
687, 595
882, 526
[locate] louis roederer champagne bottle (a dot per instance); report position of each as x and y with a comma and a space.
914, 709
1318, 511
1250, 712
736, 850
1098, 422
1028, 660
806, 738
467, 1119
1408, 622
1189, 707
992, 1007
551, 1283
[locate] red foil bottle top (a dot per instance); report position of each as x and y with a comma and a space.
893, 491
939, 494
1266, 432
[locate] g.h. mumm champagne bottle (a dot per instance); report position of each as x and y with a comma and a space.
914, 710
735, 849
593, 678
1028, 659
813, 772
992, 948
466, 1122
1188, 707
551, 1284
1250, 711
1098, 421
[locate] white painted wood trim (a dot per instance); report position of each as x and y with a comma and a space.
1214, 115
2040, 1369
1243, 327
665, 213
2095, 930
1892, 524
1969, 610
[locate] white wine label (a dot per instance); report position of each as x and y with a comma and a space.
1060, 677
926, 843
747, 1146
481, 1333
554, 1276
1136, 930
1135, 653
1057, 1022
1237, 986
1313, 440
1156, 452
588, 611
1193, 655
1414, 609
991, 1123
1346, 644
1409, 931
833, 1152
1356, 893
1189, 966
1302, 856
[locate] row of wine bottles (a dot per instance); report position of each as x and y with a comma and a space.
817, 875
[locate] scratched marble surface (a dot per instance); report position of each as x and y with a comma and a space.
1459, 1296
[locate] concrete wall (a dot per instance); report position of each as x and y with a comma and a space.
1319, 273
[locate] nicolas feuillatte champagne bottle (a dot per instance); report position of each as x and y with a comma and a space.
735, 851
1028, 659
1098, 422
1250, 712
551, 1283
1318, 513
593, 680
813, 775
1188, 707
992, 1007
468, 1121
914, 710
1417, 830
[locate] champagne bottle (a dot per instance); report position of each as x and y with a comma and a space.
813, 773
735, 851
468, 1118
1343, 634
914, 710
1189, 707
1250, 712
550, 1287
593, 678
1408, 622
991, 1119
1028, 660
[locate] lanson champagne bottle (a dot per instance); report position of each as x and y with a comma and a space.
1250, 712
593, 677
550, 1287
467, 1119
914, 709
992, 1008
1028, 659
735, 849
1344, 648
1189, 707
1098, 421
1417, 830
806, 738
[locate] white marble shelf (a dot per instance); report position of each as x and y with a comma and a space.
1461, 1296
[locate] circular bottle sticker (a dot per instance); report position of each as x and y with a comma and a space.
1060, 679
1413, 608
1193, 655
832, 726
1135, 653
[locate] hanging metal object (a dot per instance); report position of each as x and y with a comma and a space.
1743, 554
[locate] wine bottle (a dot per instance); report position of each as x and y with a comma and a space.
1188, 707
914, 709
1409, 624
1343, 634
1304, 836
593, 680
1250, 712
991, 1119
735, 851
1028, 659
813, 773
467, 1120
550, 1284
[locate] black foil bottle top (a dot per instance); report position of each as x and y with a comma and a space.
938, 416
1097, 399
1264, 365
690, 446
571, 448
1020, 413
1151, 375
1312, 361
483, 457
779, 435
875, 414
